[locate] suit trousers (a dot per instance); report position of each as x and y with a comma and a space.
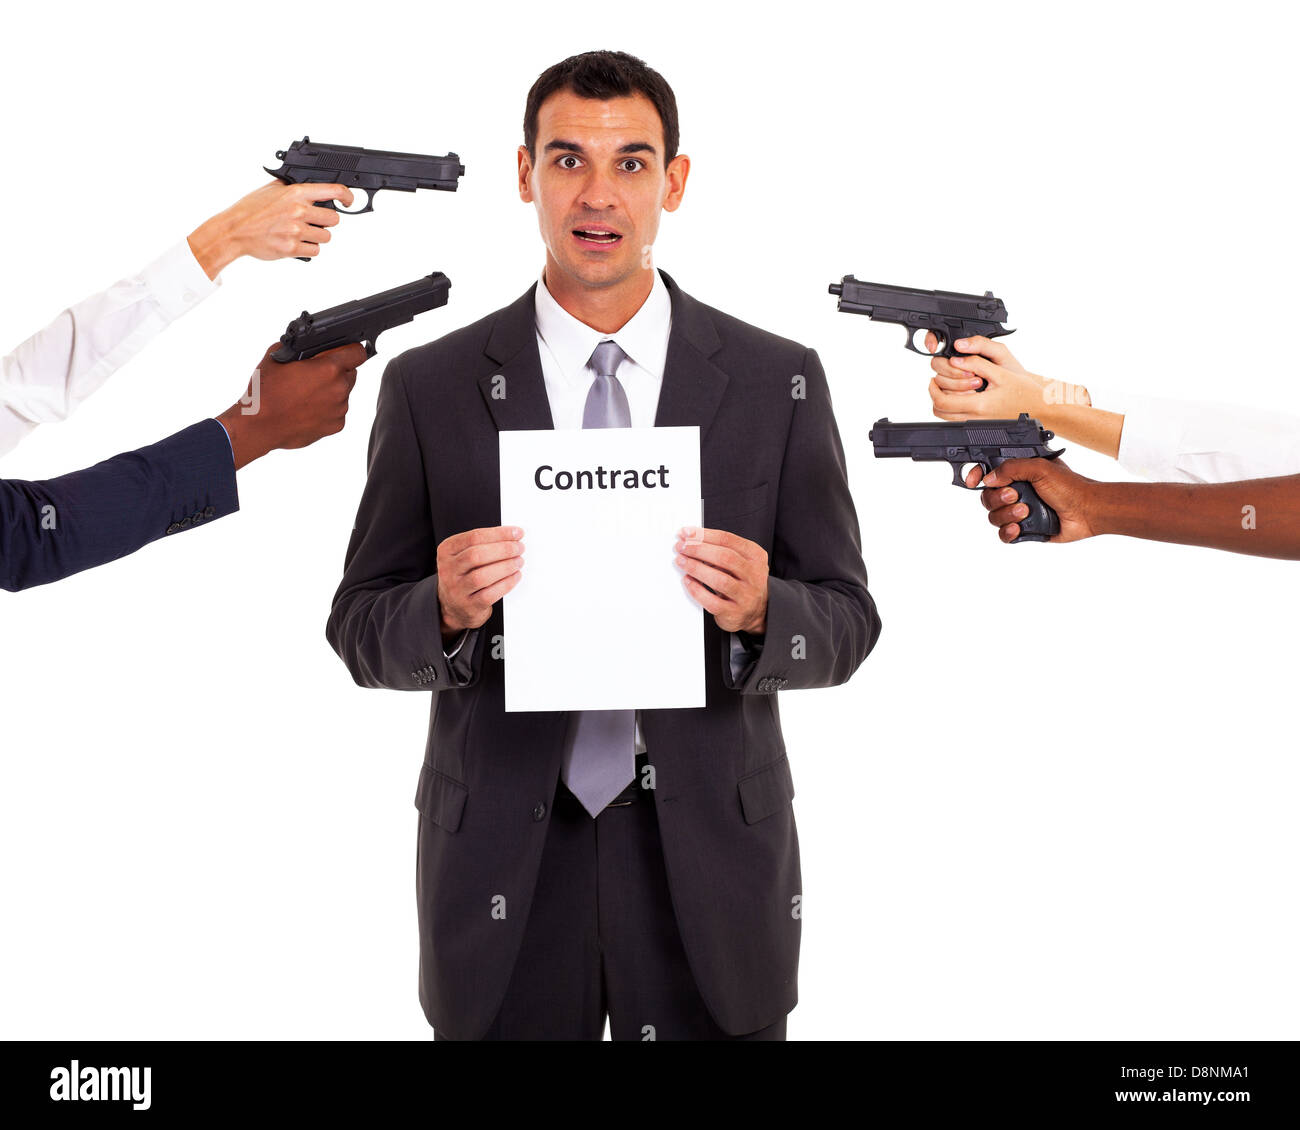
602, 938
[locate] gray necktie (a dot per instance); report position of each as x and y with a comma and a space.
601, 760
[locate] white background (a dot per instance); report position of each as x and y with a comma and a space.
1058, 801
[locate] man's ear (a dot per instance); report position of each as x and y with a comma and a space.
678, 170
525, 175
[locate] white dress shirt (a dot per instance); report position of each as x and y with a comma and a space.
1205, 442
54, 370
566, 346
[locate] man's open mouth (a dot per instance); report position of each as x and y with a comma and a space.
597, 235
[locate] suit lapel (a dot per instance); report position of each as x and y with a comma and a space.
515, 391
692, 389
693, 386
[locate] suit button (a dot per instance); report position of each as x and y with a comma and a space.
539, 812
209, 512
173, 527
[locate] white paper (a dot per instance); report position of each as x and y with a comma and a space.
600, 618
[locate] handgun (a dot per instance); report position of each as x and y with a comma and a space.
990, 443
370, 170
362, 320
948, 314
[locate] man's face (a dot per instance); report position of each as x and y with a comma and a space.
599, 184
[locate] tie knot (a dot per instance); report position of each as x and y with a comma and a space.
606, 357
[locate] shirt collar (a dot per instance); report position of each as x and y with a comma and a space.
643, 337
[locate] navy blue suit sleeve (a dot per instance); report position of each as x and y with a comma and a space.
52, 529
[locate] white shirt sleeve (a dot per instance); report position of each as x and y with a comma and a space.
1204, 442
54, 370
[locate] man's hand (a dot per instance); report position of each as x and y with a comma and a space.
727, 576
1069, 494
293, 404
271, 222
475, 570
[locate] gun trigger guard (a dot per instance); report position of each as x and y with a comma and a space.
959, 480
370, 348
370, 204
911, 331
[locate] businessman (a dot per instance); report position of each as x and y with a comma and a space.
555, 887
53, 528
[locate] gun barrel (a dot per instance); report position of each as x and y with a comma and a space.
893, 440
362, 319
858, 297
349, 163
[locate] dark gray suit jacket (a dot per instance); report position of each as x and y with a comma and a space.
772, 470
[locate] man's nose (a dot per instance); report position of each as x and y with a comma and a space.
599, 190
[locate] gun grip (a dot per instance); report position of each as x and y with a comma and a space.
1042, 521
949, 351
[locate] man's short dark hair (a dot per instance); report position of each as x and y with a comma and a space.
603, 75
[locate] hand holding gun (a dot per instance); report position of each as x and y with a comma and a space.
1259, 517
309, 162
289, 406
988, 443
271, 222
1007, 388
299, 393
944, 316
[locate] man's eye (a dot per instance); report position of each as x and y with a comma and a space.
632, 161
569, 157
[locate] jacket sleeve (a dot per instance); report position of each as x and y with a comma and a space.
52, 529
821, 620
385, 616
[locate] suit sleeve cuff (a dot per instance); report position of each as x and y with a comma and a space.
460, 660
745, 650
206, 489
761, 675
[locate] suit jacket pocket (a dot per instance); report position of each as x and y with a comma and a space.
440, 798
718, 509
767, 791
